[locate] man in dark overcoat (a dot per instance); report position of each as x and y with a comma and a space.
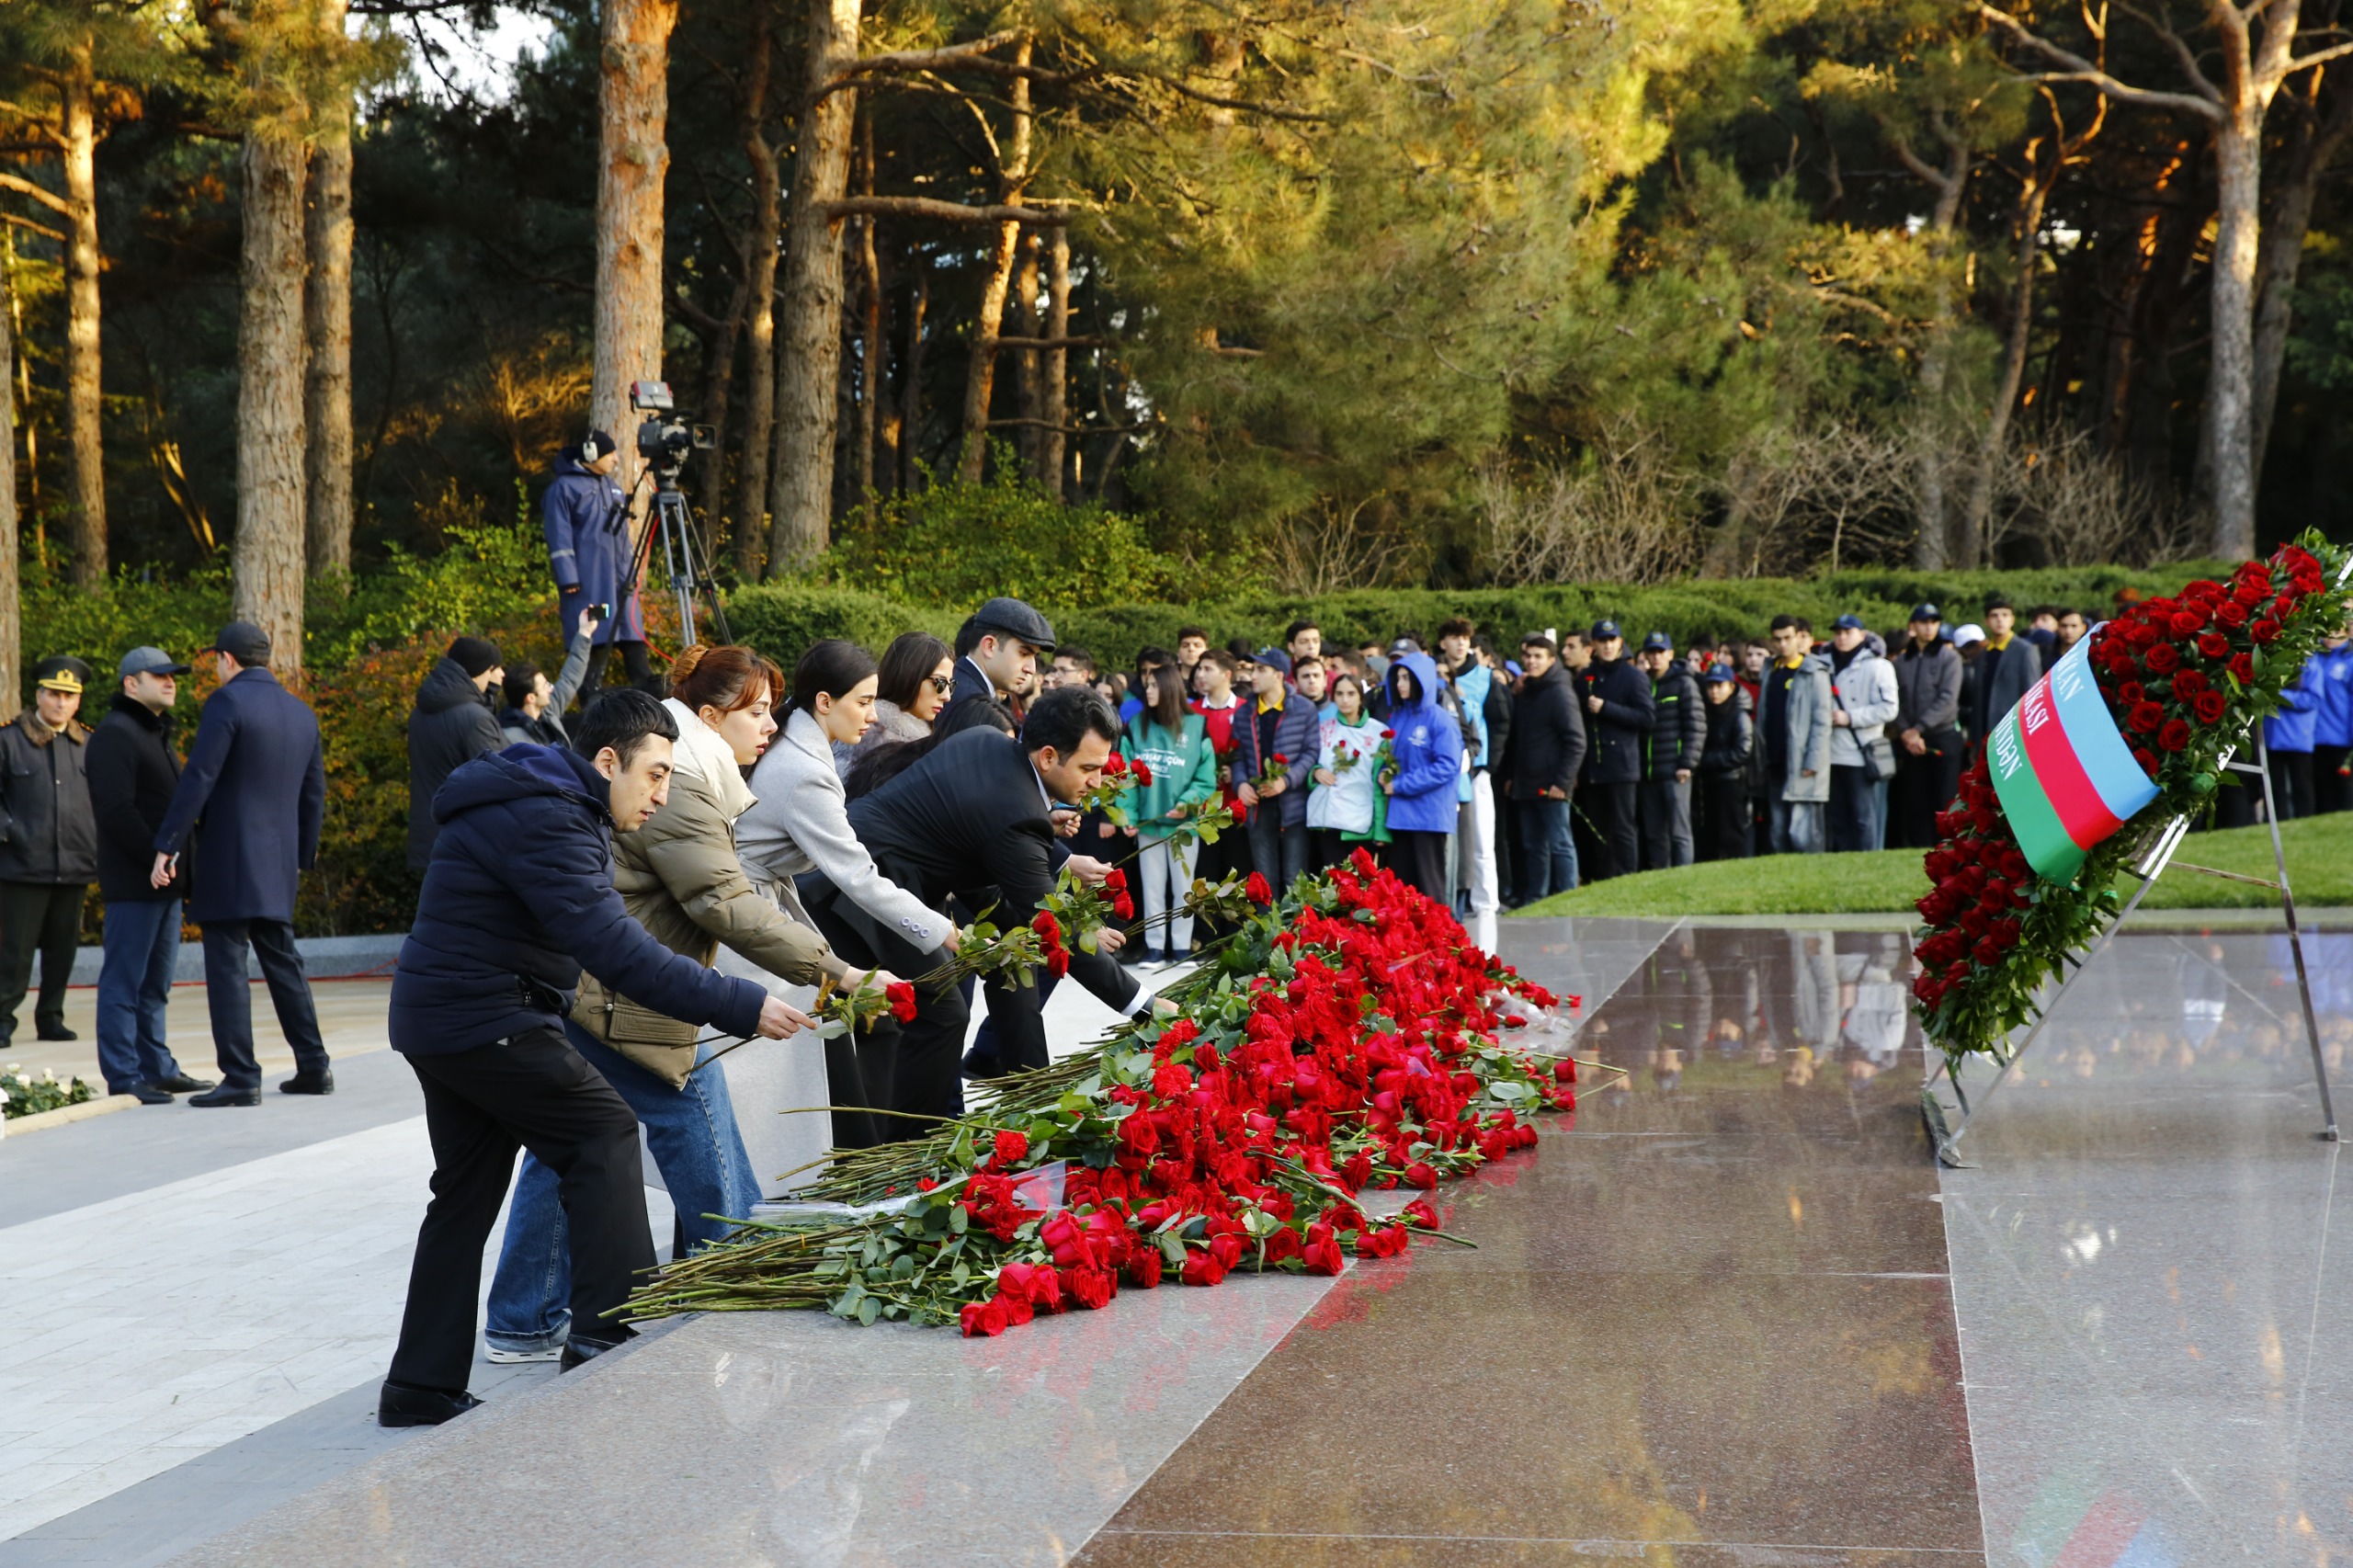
254, 792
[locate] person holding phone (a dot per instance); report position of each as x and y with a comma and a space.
591, 552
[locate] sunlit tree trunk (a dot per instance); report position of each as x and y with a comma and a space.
267, 559
1028, 323
911, 388
634, 159
996, 279
1055, 406
2315, 145
326, 309
84, 406
809, 335
870, 337
11, 624
760, 324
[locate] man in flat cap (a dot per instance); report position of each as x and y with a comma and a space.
996, 653
48, 846
133, 771
254, 792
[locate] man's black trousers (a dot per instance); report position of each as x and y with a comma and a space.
532, 1091
636, 666
44, 918
1610, 807
915, 1067
228, 997
1924, 786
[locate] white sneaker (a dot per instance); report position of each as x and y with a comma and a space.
500, 1356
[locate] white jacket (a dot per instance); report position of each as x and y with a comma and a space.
1865, 690
801, 824
1347, 802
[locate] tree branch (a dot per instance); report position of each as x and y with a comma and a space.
942, 212
2182, 52
41, 229
2325, 55
41, 194
2084, 70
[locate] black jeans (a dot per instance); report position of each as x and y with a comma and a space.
1922, 786
1854, 810
1724, 830
2292, 784
44, 918
2332, 790
916, 1066
1279, 852
532, 1091
1610, 809
634, 664
1419, 859
1663, 806
228, 996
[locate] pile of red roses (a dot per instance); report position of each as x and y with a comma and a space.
2185, 677
1356, 1042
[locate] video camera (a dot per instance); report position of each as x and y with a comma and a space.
664, 439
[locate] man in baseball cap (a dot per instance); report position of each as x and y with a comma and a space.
1929, 683
997, 651
243, 642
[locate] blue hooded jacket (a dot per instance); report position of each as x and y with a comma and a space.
2329, 677
2291, 728
518, 899
1429, 748
589, 557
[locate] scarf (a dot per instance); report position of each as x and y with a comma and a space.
701, 754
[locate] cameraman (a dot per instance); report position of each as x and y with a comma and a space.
590, 552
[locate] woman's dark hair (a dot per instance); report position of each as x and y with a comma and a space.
1397, 672
1166, 705
1352, 678
831, 667
727, 678
907, 663
520, 678
622, 718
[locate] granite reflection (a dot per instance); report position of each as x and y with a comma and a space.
2156, 1319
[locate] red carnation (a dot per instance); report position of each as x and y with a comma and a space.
1257, 890
2147, 716
2211, 706
2175, 735
2265, 630
902, 996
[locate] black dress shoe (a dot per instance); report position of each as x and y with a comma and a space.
405, 1404
60, 1032
579, 1349
227, 1094
181, 1084
320, 1083
147, 1093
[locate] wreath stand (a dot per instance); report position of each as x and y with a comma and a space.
2155, 856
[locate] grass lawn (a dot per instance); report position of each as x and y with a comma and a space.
2320, 868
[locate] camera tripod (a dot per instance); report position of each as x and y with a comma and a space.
683, 555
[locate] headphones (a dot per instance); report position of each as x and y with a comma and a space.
588, 452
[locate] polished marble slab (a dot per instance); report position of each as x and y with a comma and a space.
1707, 1323
2156, 1313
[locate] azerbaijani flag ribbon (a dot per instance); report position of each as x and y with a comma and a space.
2065, 777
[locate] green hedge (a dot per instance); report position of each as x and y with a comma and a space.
783, 619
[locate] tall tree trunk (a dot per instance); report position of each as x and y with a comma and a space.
1930, 546
267, 560
11, 620
809, 335
1969, 527
2238, 166
759, 310
1055, 407
327, 321
980, 378
2313, 148
84, 407
869, 341
911, 390
1028, 320
633, 160
717, 386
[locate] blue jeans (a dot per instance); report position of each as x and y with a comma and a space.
143, 950
1277, 853
1548, 850
700, 1154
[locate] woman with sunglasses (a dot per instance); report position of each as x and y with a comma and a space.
912, 685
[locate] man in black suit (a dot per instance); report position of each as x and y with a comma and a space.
996, 650
978, 819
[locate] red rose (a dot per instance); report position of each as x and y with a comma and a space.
1258, 891
1141, 769
2186, 621
2175, 735
2243, 668
2265, 630
1089, 1288
2211, 706
1049, 930
901, 995
1987, 951
1322, 1251
2231, 612
1279, 760
1201, 1268
1115, 766
2147, 759
2147, 716
2187, 685
1124, 907
2213, 644
2164, 658
2131, 694
1388, 735
1012, 1147
981, 1320
1419, 1175
1142, 1267
2252, 591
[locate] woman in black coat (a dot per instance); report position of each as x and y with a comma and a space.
1724, 759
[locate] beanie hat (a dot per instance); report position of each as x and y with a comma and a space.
474, 655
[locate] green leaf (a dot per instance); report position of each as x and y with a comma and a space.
868, 1310
959, 1219
1173, 1250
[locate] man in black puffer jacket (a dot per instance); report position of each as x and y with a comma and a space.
1670, 752
453, 723
1619, 716
519, 899
1540, 772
